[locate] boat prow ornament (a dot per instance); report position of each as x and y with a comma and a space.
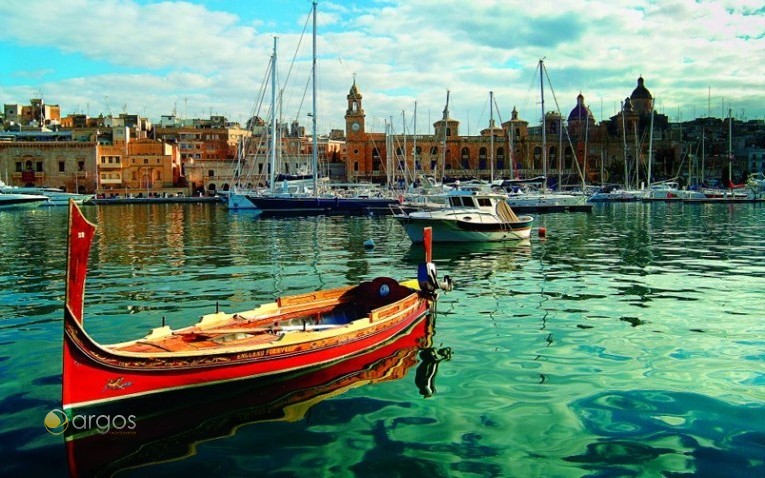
427, 275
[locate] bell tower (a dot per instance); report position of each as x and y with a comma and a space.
354, 115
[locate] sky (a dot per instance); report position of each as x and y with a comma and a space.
199, 58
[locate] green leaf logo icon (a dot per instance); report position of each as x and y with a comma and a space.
56, 422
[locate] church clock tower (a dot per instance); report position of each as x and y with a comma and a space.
354, 115
355, 136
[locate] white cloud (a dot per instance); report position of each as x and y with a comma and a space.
402, 52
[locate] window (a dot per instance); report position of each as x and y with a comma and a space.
211, 173
18, 166
39, 166
80, 165
61, 166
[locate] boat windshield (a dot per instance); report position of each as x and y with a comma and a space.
461, 201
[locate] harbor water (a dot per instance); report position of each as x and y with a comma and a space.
628, 342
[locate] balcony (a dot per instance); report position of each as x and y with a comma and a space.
110, 166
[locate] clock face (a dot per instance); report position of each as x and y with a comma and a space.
355, 126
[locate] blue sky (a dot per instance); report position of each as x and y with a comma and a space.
207, 57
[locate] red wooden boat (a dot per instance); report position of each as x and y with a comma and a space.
287, 335
173, 429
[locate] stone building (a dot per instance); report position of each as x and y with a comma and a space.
578, 146
45, 159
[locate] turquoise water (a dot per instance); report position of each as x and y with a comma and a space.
629, 342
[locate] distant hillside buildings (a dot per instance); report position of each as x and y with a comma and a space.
127, 154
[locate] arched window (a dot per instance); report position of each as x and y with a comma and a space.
552, 158
537, 157
568, 158
482, 164
500, 158
376, 162
465, 158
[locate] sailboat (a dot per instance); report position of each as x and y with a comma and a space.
546, 200
731, 191
319, 204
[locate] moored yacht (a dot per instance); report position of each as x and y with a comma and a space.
53, 196
469, 216
16, 200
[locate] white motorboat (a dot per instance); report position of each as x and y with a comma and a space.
17, 201
469, 216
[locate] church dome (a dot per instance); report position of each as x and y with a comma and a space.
580, 111
641, 92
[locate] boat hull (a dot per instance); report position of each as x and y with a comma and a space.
21, 201
322, 206
533, 200
93, 375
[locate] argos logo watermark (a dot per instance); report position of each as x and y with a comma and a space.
57, 422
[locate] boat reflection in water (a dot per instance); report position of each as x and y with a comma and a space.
474, 260
144, 430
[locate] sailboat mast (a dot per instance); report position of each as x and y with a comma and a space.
560, 151
703, 150
637, 154
314, 156
388, 154
730, 148
650, 152
586, 139
446, 123
491, 133
544, 134
624, 144
272, 176
511, 144
406, 163
415, 161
